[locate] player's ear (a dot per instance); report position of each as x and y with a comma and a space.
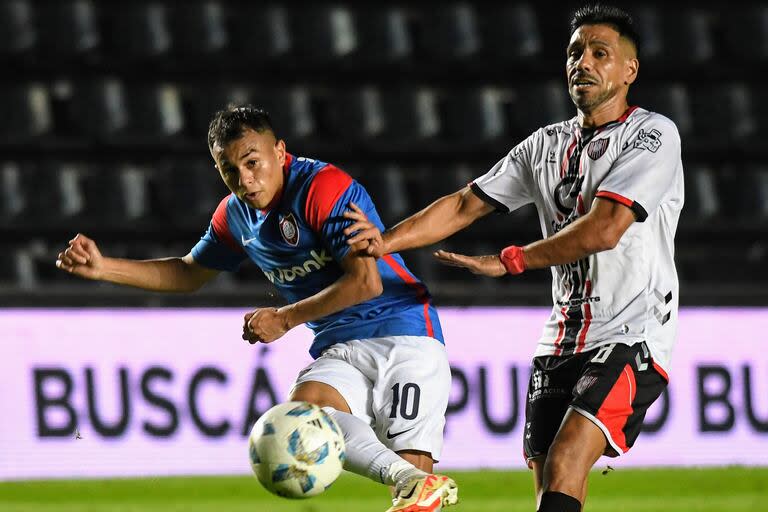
280, 150
632, 66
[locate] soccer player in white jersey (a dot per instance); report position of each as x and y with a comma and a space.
608, 187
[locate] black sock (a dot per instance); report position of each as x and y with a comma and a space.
559, 502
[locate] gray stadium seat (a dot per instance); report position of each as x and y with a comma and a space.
512, 32
25, 109
322, 32
138, 30
184, 193
674, 37
258, 26
474, 116
67, 29
669, 99
383, 34
18, 33
537, 105
450, 32
746, 33
199, 28
106, 109
722, 115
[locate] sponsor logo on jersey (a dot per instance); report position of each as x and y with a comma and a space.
650, 140
286, 275
597, 148
289, 229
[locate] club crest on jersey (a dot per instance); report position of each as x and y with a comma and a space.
597, 148
650, 140
289, 228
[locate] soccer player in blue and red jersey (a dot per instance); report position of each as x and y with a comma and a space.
380, 365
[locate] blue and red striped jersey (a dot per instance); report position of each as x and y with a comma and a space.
298, 245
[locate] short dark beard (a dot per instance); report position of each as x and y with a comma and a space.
595, 102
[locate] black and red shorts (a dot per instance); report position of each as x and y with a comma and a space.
613, 386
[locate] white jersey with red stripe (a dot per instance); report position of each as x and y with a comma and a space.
628, 294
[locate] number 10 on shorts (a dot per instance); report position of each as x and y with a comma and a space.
408, 401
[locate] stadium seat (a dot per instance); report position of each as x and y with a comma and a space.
258, 26
744, 193
199, 29
18, 34
184, 193
137, 30
669, 99
25, 109
702, 197
387, 186
536, 105
67, 29
722, 115
448, 33
746, 33
511, 33
106, 109
322, 32
474, 116
674, 38
107, 197
11, 192
410, 115
383, 35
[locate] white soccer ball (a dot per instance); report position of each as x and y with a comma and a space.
296, 450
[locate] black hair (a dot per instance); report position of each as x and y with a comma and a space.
228, 125
599, 14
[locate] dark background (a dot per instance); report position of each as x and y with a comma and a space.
104, 108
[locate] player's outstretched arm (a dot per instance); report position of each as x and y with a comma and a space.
83, 259
599, 230
434, 223
361, 282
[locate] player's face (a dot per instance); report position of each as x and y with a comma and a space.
600, 65
252, 167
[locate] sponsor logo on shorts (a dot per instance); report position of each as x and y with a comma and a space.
584, 383
391, 435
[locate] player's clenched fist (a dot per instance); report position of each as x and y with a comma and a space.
82, 258
265, 325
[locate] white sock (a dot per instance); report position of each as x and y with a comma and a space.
367, 456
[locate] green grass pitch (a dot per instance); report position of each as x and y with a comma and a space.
729, 489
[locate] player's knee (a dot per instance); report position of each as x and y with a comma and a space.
319, 394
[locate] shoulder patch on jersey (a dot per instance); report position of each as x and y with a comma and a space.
326, 188
220, 224
650, 140
597, 148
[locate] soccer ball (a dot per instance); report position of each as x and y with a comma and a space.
296, 450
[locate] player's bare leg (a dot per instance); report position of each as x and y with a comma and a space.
416, 489
537, 465
575, 449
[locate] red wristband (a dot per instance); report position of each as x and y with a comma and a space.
512, 259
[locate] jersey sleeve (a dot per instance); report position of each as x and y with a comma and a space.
328, 198
646, 168
218, 249
509, 184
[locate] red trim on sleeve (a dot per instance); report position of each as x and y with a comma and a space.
617, 407
661, 371
421, 290
615, 197
221, 226
326, 188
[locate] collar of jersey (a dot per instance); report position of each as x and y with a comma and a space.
279, 196
609, 124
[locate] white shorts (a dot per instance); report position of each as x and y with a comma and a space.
397, 384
